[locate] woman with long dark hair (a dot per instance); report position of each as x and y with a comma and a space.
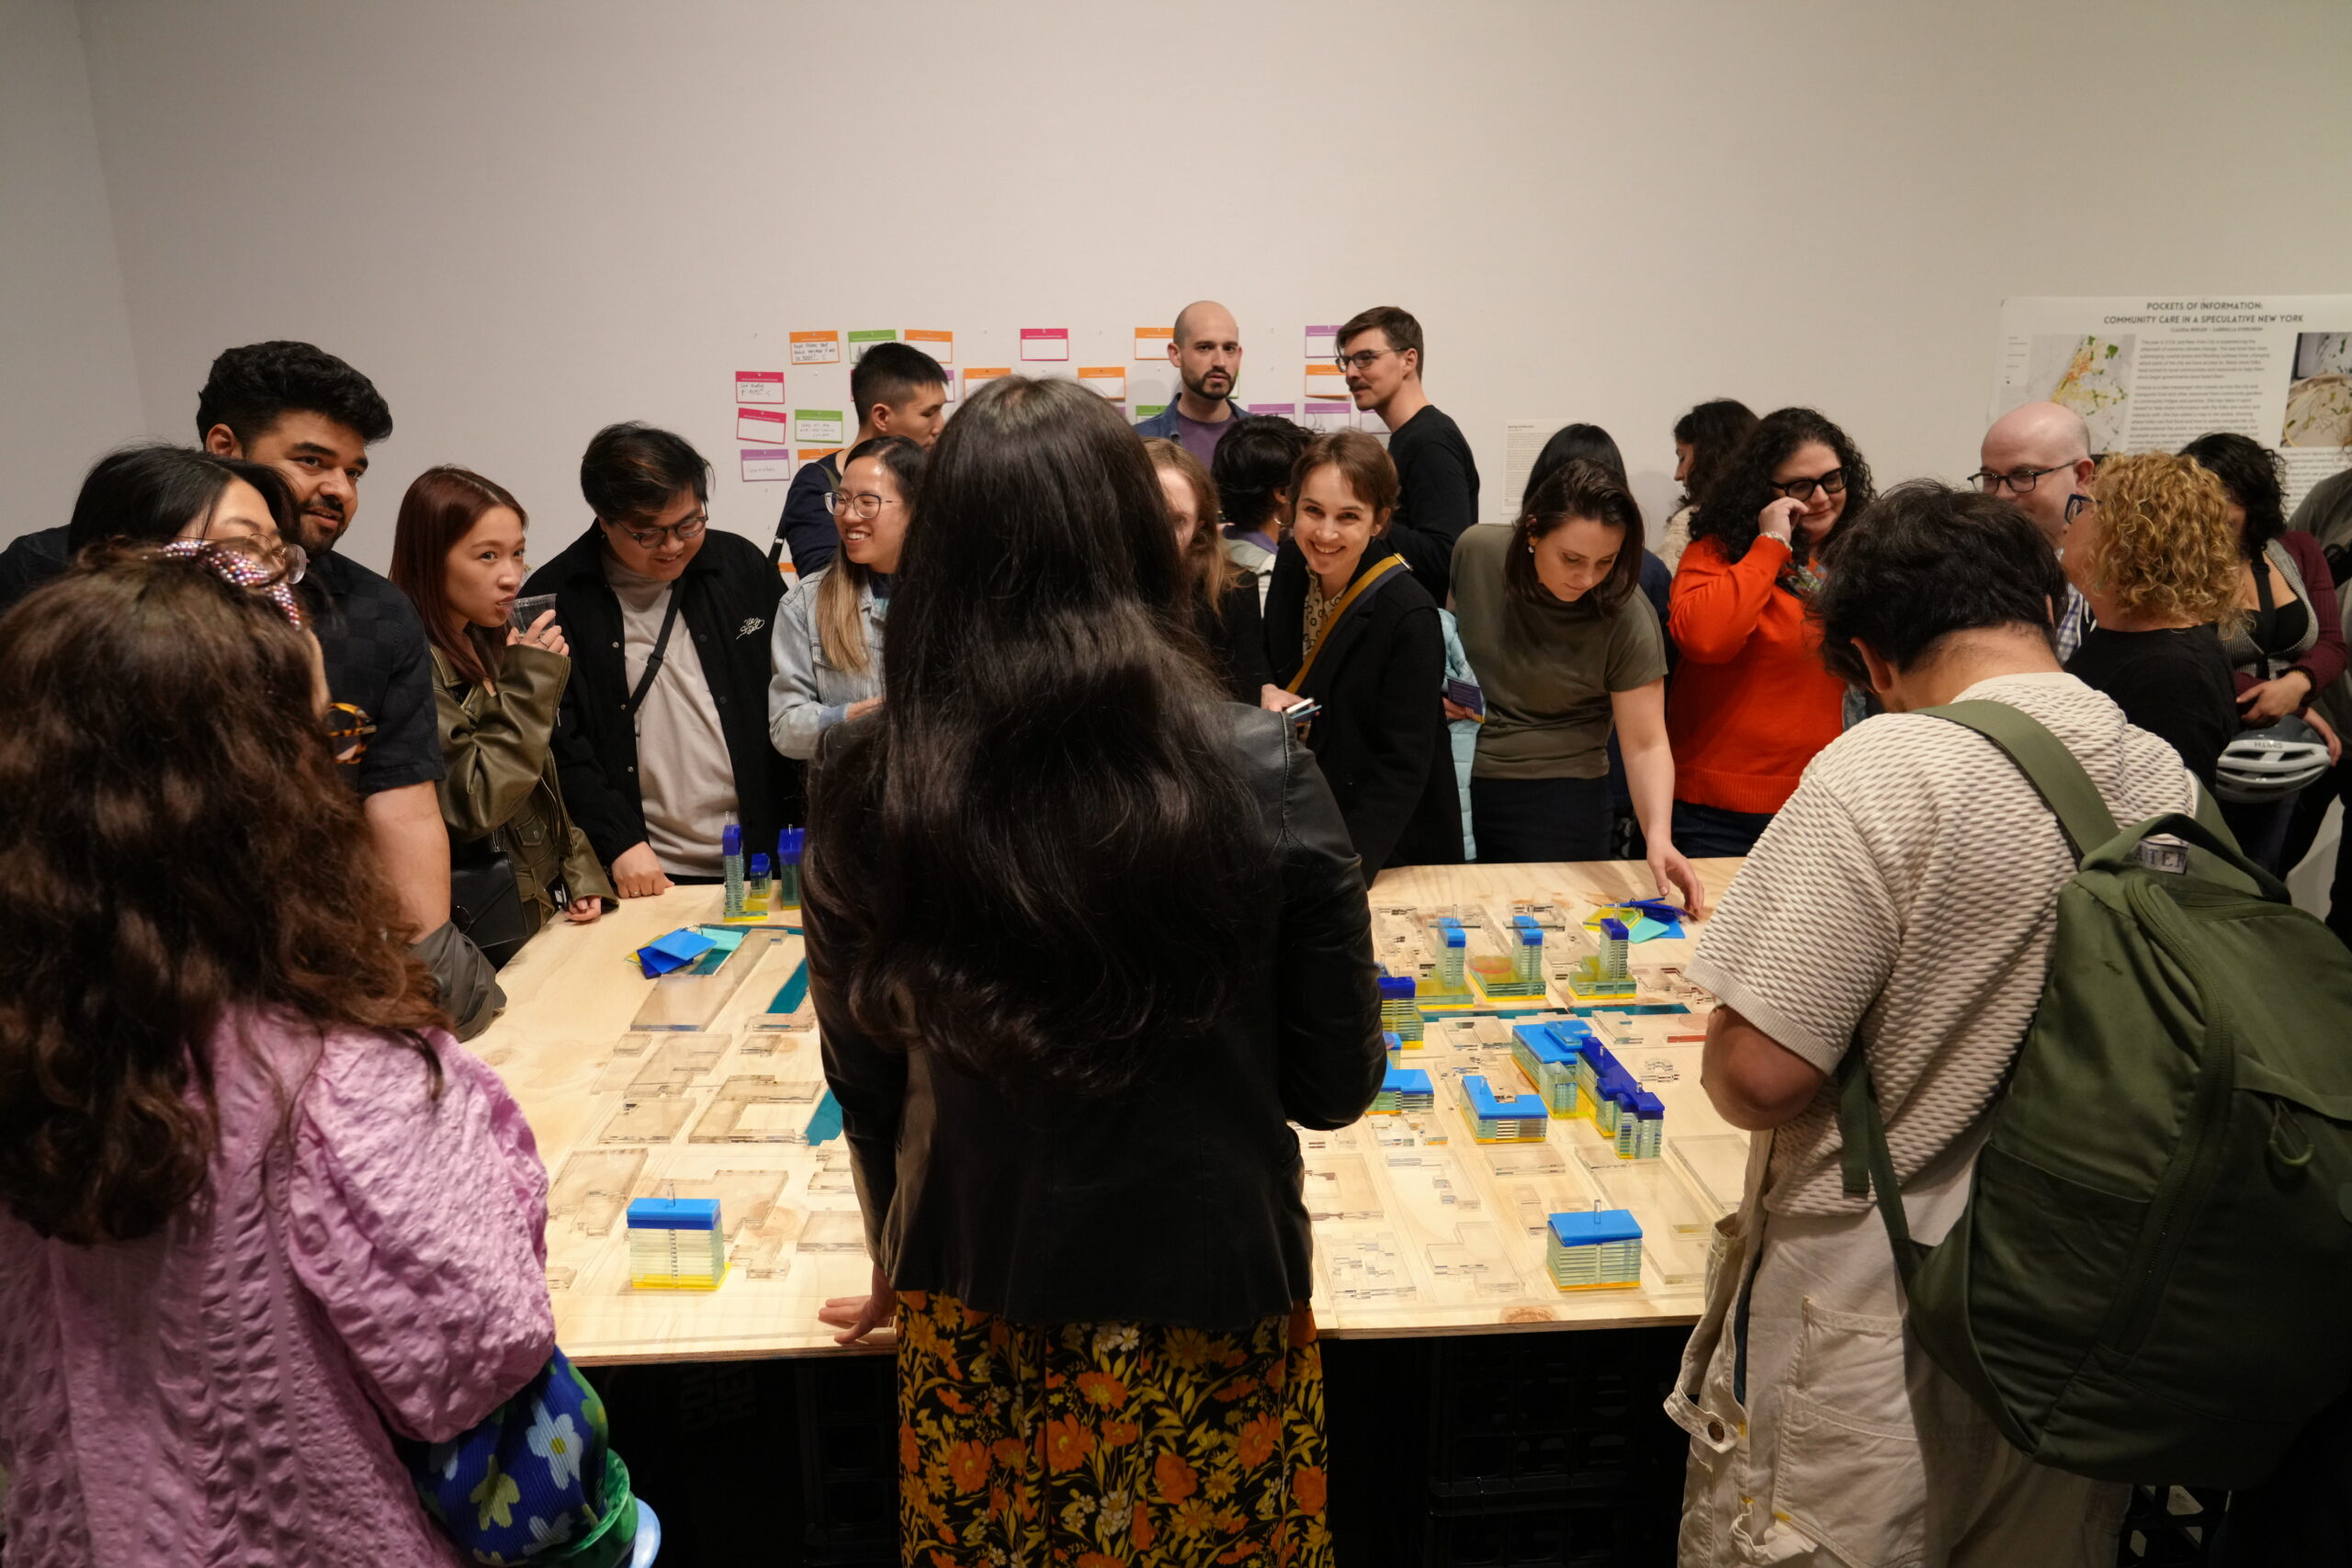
458, 554
258, 1212
1224, 598
2288, 647
1704, 440
1082, 938
1751, 702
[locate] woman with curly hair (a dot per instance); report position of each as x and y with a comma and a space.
258, 1212
1750, 703
2154, 553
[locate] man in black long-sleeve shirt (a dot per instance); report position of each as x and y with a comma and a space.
1380, 349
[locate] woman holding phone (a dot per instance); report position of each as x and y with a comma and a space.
1348, 628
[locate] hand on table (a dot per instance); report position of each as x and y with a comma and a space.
857, 1316
1678, 880
637, 873
584, 911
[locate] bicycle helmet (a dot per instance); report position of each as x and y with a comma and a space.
2271, 764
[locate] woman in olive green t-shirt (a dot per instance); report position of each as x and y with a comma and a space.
1565, 649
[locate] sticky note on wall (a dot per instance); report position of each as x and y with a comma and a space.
1108, 380
859, 342
1152, 342
763, 464
759, 385
940, 346
762, 427
1045, 343
816, 348
825, 426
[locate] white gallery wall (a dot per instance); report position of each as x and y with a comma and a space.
526, 218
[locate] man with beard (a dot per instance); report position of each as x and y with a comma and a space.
311, 417
1206, 352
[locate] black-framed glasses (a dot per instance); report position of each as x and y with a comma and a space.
2076, 504
863, 505
2017, 482
1360, 359
347, 729
1831, 483
686, 532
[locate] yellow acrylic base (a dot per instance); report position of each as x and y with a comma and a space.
676, 1282
1604, 1285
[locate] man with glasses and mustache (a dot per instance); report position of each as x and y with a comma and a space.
1206, 352
2040, 456
1380, 350
662, 739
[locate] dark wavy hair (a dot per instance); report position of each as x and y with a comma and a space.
1925, 561
251, 389
1578, 488
1728, 512
1713, 431
178, 852
1027, 862
2255, 478
149, 493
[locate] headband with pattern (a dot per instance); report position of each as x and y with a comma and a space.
241, 568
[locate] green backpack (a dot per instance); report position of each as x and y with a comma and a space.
2152, 1279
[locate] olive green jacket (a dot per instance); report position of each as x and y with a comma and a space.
501, 777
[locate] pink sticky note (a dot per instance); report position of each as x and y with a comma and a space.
1045, 343
764, 427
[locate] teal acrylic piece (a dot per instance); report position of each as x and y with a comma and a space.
794, 991
827, 1122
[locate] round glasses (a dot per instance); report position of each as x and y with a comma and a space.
1361, 360
863, 506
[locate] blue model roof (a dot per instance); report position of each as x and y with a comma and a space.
1647, 1104
1407, 1080
1614, 929
673, 1213
1595, 1230
1482, 1102
1395, 986
1541, 1043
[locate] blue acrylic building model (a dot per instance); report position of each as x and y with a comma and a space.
1594, 1251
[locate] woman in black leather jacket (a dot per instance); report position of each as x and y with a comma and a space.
1083, 940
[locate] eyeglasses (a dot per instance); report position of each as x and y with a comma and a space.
1831, 483
686, 532
347, 729
863, 505
2021, 482
1360, 359
292, 560
2076, 504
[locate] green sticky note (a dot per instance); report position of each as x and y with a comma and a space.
876, 334
1144, 410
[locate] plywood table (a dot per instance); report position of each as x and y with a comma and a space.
1418, 1230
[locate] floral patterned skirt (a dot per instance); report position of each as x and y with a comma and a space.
1087, 1445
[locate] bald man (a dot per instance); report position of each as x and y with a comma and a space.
2040, 456
1206, 352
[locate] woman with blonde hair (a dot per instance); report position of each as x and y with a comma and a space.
1224, 599
827, 642
2154, 550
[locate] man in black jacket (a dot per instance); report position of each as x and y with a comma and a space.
662, 739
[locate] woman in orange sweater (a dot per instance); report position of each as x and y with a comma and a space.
1750, 703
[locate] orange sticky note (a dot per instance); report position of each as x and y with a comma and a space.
1109, 381
1152, 342
816, 348
939, 346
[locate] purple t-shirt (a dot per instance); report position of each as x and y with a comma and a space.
1200, 439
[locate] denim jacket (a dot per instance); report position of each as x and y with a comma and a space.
808, 693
